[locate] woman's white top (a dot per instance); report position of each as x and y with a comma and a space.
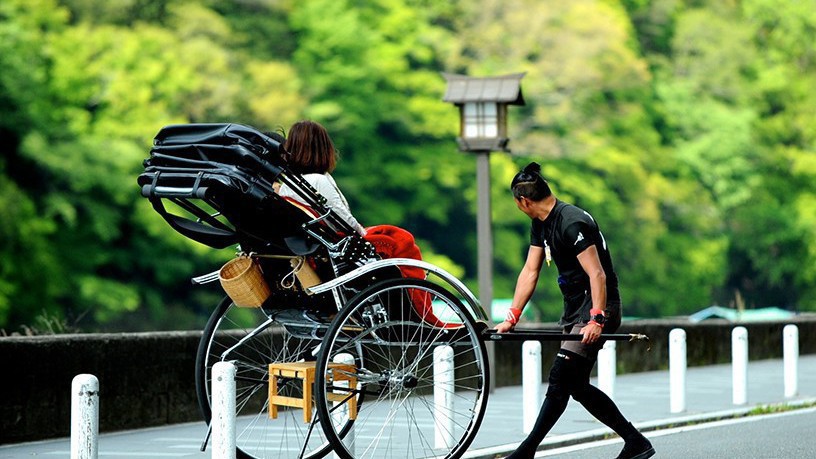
327, 187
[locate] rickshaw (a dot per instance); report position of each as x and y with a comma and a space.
335, 343
336, 354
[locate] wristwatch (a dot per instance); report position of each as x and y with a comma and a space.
599, 319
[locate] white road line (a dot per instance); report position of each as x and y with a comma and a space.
177, 439
67, 453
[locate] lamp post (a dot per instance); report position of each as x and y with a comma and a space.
482, 106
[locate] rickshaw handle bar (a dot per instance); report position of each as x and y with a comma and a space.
547, 335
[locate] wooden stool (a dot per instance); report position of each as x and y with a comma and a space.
305, 371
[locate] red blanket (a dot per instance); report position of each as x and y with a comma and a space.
395, 242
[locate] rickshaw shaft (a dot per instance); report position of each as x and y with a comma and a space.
545, 335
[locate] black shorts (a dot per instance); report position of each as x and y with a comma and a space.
590, 351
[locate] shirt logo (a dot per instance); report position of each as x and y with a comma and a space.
580, 238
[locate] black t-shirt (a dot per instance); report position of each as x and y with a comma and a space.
566, 232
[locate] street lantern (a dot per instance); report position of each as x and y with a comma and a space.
482, 106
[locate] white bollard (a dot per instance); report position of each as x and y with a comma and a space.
340, 415
223, 410
443, 397
677, 370
530, 383
790, 352
739, 366
607, 363
84, 417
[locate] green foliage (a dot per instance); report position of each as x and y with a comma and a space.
685, 127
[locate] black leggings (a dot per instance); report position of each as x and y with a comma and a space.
569, 377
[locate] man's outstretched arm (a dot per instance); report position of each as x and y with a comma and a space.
525, 286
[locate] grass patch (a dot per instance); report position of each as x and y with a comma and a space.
779, 408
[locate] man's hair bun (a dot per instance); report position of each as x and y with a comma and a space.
532, 168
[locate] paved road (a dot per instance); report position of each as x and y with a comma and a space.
643, 397
773, 436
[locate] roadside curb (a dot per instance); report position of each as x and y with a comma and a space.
558, 441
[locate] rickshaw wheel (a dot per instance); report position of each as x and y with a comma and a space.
258, 436
396, 370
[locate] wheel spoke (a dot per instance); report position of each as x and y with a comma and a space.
258, 436
396, 374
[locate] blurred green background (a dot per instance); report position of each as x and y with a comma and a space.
686, 127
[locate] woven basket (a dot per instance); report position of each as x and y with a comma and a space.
243, 281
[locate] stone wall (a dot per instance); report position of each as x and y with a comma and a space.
147, 379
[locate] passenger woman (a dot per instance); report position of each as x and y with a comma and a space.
314, 157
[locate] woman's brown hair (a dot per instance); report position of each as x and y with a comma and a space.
310, 148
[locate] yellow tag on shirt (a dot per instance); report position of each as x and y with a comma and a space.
547, 253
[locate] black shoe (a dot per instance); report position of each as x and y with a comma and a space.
521, 453
637, 449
